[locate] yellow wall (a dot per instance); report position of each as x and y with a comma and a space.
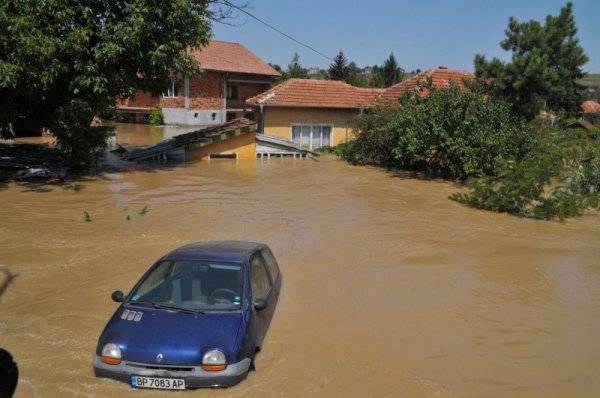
244, 145
278, 121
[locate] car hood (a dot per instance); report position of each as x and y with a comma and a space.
180, 338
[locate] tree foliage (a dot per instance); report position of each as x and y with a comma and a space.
339, 69
560, 179
391, 71
546, 64
450, 133
295, 69
62, 62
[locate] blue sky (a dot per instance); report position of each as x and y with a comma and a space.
420, 33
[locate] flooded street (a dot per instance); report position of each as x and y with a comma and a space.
389, 288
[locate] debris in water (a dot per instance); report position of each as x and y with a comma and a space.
41, 172
86, 216
144, 210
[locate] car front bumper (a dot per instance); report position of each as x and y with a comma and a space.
194, 376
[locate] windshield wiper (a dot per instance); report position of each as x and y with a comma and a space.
176, 308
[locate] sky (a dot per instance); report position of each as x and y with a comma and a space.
421, 33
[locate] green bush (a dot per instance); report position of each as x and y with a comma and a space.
450, 133
560, 179
156, 116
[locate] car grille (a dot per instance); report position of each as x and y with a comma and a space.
162, 367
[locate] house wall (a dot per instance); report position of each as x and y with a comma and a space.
245, 91
278, 121
142, 100
206, 92
244, 146
205, 103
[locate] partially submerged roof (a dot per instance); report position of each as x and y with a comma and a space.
195, 139
590, 107
275, 145
225, 56
316, 94
441, 77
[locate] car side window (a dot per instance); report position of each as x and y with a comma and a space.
259, 278
271, 264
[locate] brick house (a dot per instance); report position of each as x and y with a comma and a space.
232, 74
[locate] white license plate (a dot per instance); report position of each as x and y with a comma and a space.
161, 383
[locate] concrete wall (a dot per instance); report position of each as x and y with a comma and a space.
278, 121
190, 117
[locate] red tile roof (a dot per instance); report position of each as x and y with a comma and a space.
590, 107
225, 56
316, 94
441, 78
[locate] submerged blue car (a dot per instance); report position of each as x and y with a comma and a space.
195, 319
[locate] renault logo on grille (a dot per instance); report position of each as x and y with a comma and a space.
159, 358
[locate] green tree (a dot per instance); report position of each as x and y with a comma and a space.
295, 69
339, 69
450, 133
62, 62
377, 79
391, 71
355, 75
546, 64
560, 179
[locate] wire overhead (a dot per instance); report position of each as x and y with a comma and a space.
276, 30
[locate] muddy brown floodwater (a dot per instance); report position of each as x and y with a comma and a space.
389, 290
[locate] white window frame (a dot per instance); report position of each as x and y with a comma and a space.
171, 92
331, 126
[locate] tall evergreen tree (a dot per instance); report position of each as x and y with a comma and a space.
339, 69
546, 64
392, 73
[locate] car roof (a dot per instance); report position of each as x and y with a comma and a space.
221, 250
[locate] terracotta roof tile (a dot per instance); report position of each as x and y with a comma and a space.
440, 77
232, 57
316, 94
590, 107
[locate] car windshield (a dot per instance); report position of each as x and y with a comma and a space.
192, 286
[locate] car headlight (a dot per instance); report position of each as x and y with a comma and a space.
111, 354
214, 360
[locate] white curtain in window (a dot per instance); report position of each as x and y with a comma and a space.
296, 135
311, 137
316, 137
305, 141
326, 136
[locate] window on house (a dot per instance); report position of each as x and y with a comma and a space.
231, 116
312, 136
232, 92
172, 90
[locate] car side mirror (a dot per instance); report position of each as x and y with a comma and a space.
260, 304
117, 296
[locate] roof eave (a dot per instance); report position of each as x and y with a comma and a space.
307, 106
